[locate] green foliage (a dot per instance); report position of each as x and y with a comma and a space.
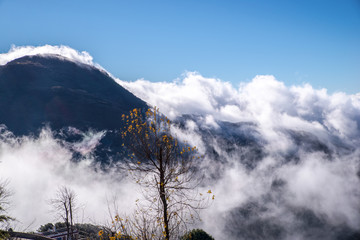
86, 230
3, 235
59, 225
197, 234
46, 227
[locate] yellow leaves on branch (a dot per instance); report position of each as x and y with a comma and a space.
117, 218
137, 127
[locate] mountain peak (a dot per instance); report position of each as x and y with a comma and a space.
47, 50
53, 89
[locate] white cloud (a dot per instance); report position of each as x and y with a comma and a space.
36, 166
16, 52
195, 94
327, 187
264, 101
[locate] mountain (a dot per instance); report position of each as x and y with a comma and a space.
39, 90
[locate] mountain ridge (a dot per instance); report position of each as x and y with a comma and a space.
50, 89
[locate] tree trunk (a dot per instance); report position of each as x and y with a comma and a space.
67, 220
163, 197
71, 219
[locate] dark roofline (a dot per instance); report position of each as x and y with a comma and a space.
28, 236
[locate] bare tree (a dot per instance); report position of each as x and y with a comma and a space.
64, 205
4, 202
165, 170
134, 226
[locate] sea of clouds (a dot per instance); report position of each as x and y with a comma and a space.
310, 141
305, 183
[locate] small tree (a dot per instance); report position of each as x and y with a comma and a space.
64, 205
164, 168
4, 201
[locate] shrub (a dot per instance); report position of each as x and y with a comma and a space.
197, 234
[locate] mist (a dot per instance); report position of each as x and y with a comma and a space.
282, 161
36, 166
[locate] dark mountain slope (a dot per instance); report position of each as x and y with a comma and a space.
38, 90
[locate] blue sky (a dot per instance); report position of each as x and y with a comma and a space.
296, 41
